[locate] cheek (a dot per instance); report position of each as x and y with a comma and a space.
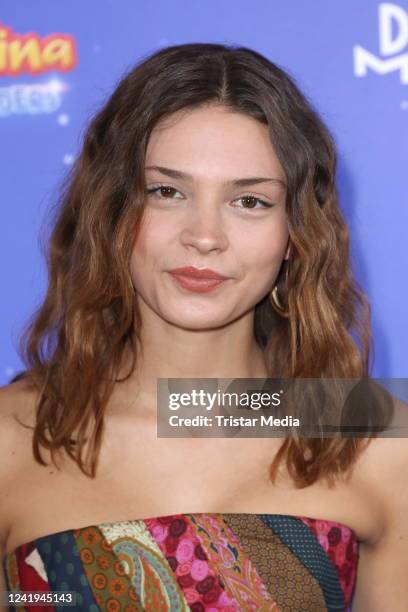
140, 253
263, 248
141, 259
147, 245
149, 250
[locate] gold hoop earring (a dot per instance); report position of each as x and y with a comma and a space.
275, 301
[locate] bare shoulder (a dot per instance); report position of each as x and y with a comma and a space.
383, 564
17, 405
17, 408
394, 467
386, 457
17, 402
383, 465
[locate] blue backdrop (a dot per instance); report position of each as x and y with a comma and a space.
59, 61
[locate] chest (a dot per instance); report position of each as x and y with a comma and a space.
140, 475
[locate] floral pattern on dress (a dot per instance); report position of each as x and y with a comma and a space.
188, 562
201, 585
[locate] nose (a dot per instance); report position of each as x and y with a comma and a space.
203, 227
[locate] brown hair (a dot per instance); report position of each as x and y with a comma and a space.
75, 342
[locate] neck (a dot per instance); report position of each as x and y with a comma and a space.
168, 351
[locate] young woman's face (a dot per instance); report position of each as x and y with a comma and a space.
207, 207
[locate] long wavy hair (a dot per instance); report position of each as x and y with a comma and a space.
73, 345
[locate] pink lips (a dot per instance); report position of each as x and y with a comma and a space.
197, 280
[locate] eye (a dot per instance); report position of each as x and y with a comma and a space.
251, 200
167, 192
163, 192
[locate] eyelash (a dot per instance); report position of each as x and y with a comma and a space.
265, 204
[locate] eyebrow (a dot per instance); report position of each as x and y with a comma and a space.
242, 182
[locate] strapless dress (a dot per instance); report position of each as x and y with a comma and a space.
193, 562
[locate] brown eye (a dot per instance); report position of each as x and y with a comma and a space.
163, 191
250, 201
167, 191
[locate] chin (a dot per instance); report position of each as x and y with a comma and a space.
196, 323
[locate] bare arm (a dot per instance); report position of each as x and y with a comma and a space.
382, 577
3, 526
2, 578
13, 397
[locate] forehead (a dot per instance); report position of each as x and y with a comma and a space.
213, 140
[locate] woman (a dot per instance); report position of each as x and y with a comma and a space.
206, 160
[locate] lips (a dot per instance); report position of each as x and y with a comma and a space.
197, 280
202, 273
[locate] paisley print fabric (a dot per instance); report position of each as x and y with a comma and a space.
193, 562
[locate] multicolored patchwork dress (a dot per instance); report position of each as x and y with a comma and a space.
198, 562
